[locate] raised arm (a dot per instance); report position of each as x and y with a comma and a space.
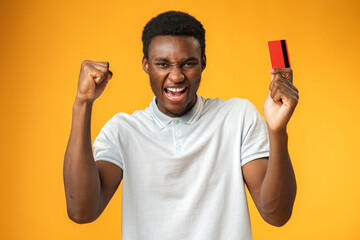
89, 186
271, 182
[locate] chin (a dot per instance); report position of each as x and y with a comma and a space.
175, 112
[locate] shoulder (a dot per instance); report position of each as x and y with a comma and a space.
238, 105
127, 121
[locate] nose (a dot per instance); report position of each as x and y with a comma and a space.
176, 74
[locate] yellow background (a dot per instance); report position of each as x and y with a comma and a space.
43, 43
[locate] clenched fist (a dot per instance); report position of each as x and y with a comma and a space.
93, 79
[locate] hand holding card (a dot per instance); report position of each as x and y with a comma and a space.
283, 95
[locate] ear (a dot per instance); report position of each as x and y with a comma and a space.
145, 65
203, 62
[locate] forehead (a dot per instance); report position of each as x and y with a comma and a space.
174, 47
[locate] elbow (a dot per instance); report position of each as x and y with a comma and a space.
277, 219
81, 212
81, 217
278, 212
277, 222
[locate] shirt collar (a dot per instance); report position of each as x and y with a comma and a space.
162, 120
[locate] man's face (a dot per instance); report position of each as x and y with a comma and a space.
174, 66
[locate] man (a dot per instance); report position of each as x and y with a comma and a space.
184, 160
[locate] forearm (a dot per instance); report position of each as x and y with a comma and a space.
278, 189
81, 176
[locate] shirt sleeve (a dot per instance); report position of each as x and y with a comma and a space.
106, 144
255, 137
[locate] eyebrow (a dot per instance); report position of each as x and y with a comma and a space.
161, 60
184, 60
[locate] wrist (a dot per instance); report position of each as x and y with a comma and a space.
80, 103
81, 100
278, 133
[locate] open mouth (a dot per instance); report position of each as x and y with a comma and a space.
175, 94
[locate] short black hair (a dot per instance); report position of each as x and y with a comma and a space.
173, 23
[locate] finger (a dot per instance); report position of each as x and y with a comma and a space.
105, 64
89, 62
96, 74
281, 70
272, 77
108, 76
292, 86
103, 69
101, 66
287, 92
285, 73
105, 81
283, 84
284, 97
278, 78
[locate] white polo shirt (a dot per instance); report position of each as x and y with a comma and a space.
182, 177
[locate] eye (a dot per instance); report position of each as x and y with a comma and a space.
190, 64
161, 64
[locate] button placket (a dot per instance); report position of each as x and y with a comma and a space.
177, 135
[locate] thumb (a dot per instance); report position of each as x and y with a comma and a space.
106, 77
102, 84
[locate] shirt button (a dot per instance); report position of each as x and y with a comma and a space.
179, 146
176, 122
178, 133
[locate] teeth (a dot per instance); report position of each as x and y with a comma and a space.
175, 89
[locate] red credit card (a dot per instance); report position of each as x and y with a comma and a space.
279, 54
